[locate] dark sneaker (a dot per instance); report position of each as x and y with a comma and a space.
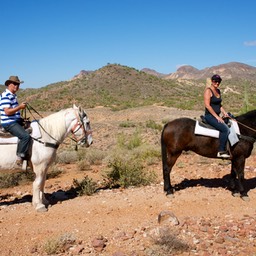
223, 154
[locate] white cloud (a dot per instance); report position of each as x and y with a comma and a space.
250, 43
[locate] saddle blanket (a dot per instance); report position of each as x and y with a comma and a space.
234, 131
14, 140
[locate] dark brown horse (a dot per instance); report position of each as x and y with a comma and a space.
178, 135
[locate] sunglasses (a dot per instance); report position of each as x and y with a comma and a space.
15, 84
216, 81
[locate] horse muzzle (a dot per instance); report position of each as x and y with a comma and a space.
86, 141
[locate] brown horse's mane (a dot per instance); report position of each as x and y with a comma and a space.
250, 114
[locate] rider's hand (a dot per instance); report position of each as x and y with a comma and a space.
220, 120
23, 105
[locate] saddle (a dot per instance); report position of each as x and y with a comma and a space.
204, 123
203, 128
25, 123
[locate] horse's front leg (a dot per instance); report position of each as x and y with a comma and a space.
238, 170
42, 194
39, 200
232, 182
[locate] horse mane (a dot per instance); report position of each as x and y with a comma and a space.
248, 118
248, 115
54, 124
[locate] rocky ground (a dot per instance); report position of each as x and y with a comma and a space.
203, 218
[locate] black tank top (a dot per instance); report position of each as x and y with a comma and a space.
215, 103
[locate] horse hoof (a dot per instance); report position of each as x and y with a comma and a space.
236, 194
170, 195
245, 198
41, 209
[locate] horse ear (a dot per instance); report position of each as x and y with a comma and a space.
74, 106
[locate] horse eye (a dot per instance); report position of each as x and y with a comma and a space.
84, 115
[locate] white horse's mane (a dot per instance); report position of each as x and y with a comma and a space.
54, 124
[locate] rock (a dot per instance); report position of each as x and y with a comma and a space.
99, 244
168, 217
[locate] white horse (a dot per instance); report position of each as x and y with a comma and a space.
54, 129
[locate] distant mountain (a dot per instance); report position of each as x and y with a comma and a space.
118, 87
230, 70
153, 72
82, 73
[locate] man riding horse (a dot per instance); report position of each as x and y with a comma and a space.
11, 119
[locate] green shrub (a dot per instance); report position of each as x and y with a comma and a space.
153, 125
129, 142
9, 180
54, 172
127, 172
85, 187
167, 243
84, 165
59, 245
92, 156
14, 179
127, 124
67, 157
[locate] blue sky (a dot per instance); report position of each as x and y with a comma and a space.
47, 41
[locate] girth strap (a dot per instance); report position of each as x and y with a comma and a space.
48, 144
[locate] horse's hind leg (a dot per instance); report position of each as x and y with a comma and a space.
171, 160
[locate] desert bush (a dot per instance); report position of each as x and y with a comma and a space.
148, 154
126, 164
8, 180
66, 157
54, 172
85, 187
153, 125
127, 171
83, 165
92, 156
59, 245
129, 142
127, 124
167, 243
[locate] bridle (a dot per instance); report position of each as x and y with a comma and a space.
80, 125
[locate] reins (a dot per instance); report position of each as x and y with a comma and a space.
242, 124
47, 144
29, 107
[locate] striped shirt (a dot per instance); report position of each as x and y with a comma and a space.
8, 100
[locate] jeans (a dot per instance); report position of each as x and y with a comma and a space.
23, 146
221, 127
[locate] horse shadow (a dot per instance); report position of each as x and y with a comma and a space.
223, 182
62, 195
53, 198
